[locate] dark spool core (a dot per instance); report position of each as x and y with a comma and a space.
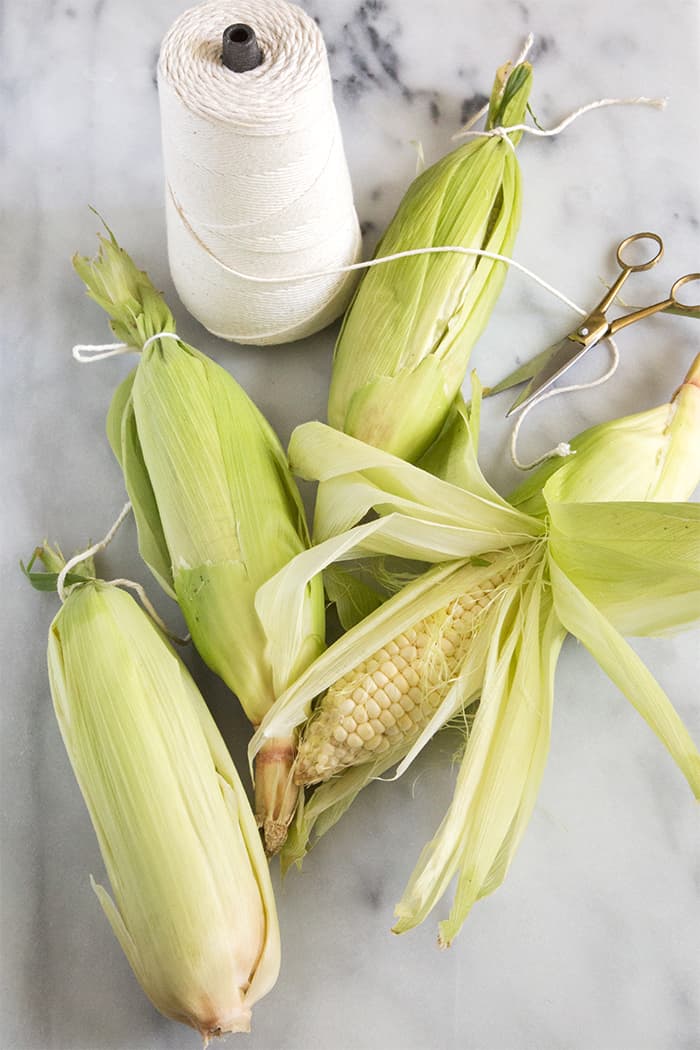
240, 50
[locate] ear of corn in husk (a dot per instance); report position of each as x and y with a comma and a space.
216, 508
407, 337
594, 571
192, 903
403, 350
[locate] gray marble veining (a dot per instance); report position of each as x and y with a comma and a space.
592, 942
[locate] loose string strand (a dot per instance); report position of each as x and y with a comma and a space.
366, 264
150, 609
525, 50
96, 548
474, 119
562, 449
528, 129
88, 353
91, 551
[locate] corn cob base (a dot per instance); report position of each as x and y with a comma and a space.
276, 794
390, 698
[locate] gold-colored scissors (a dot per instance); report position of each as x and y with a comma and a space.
558, 359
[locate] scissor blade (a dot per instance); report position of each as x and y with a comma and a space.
559, 361
521, 374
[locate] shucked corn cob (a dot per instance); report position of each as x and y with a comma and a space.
388, 699
614, 557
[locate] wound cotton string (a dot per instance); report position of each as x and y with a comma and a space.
256, 177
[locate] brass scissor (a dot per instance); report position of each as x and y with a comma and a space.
558, 359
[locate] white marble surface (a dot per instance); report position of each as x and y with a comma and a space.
592, 942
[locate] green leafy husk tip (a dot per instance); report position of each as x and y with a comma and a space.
53, 560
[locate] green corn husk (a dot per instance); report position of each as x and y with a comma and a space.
192, 904
216, 508
405, 343
602, 551
653, 455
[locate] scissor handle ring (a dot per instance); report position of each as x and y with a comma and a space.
673, 294
639, 266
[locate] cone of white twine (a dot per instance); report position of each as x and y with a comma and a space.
256, 176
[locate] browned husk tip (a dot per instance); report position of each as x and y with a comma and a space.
692, 378
216, 1031
276, 794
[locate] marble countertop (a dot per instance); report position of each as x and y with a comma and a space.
592, 942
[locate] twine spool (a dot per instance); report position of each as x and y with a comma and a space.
256, 176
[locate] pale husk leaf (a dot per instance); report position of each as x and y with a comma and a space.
371, 479
124, 440
496, 770
622, 665
638, 563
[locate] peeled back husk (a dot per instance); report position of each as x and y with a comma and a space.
614, 565
192, 904
599, 566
